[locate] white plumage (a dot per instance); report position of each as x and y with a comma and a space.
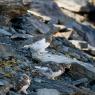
24, 88
39, 46
23, 84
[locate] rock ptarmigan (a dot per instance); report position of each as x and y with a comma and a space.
49, 73
23, 84
41, 44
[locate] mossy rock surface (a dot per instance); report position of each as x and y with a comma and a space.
8, 64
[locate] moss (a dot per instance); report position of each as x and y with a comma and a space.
7, 63
8, 75
1, 69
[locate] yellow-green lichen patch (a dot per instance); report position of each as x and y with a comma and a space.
8, 75
9, 63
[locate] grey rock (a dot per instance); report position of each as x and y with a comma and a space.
21, 36
6, 50
74, 5
9, 70
77, 17
26, 1
80, 81
63, 46
13, 93
46, 91
79, 44
64, 33
12, 30
4, 32
5, 87
91, 50
21, 31
2, 82
92, 2
93, 87
37, 80
89, 35
1, 74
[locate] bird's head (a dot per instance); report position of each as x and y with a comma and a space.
25, 77
49, 38
65, 66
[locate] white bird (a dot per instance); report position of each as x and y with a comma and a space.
49, 73
23, 84
41, 44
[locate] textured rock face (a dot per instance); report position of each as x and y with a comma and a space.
4, 87
15, 1
9, 1
17, 41
26, 1
45, 91
75, 5
6, 50
92, 2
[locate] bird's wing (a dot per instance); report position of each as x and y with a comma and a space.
20, 84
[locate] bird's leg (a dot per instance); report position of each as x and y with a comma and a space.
19, 92
56, 78
25, 92
52, 78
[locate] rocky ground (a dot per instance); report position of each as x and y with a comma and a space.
51, 41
